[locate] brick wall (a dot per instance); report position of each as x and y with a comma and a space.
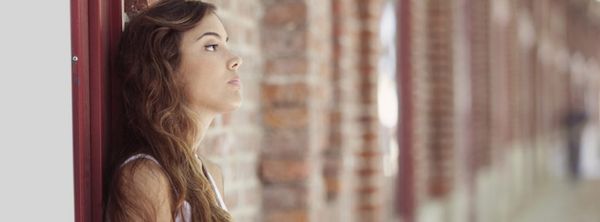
440, 56
415, 99
344, 139
515, 54
293, 120
369, 168
339, 51
421, 97
480, 83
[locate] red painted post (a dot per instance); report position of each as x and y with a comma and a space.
81, 118
98, 28
406, 195
95, 27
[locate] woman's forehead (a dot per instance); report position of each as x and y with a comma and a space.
210, 23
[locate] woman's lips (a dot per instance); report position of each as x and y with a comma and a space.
235, 81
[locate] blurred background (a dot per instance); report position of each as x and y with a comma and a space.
411, 110
354, 110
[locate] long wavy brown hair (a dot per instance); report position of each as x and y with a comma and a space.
158, 120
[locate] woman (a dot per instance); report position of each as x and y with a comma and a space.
177, 75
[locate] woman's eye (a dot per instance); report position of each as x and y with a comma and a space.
211, 48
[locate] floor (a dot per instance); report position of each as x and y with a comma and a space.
565, 202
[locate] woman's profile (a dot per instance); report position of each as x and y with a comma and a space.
177, 75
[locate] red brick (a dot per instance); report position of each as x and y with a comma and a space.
286, 66
332, 186
331, 166
368, 207
284, 13
285, 95
280, 118
300, 215
282, 43
368, 154
285, 171
335, 137
367, 190
369, 136
364, 172
285, 143
285, 197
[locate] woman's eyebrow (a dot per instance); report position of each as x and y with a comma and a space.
213, 34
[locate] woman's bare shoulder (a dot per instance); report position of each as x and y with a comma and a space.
147, 188
143, 172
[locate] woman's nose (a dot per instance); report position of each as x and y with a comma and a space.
235, 63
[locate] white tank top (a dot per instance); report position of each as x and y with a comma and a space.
186, 208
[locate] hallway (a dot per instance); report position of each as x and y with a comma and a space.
564, 200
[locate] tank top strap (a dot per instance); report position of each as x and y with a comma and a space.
213, 185
138, 156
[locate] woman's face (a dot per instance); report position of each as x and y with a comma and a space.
208, 69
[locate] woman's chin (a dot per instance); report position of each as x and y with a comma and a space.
231, 107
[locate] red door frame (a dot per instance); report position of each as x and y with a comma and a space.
95, 28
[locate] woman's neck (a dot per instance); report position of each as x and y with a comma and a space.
204, 120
